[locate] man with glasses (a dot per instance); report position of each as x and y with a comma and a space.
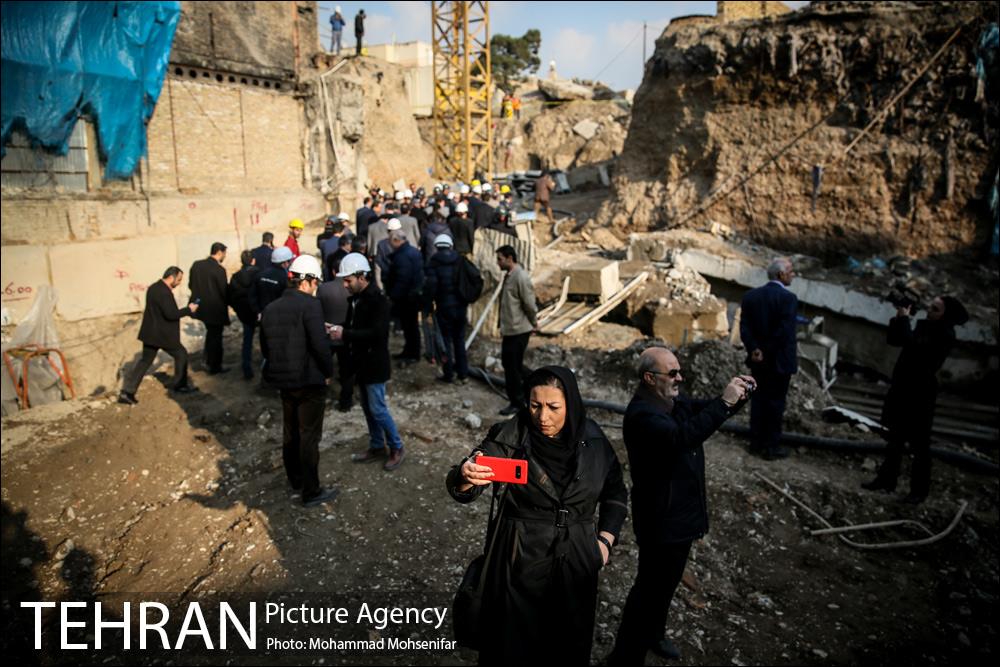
664, 433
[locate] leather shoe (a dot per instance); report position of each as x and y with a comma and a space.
666, 649
370, 454
217, 371
509, 410
879, 484
396, 457
126, 398
324, 496
185, 389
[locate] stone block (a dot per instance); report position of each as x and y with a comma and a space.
108, 277
586, 128
23, 269
594, 277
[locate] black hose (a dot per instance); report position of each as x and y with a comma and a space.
960, 459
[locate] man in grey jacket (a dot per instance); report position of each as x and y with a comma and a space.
518, 318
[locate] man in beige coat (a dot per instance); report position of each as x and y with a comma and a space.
518, 318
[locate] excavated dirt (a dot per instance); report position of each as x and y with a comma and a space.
719, 101
188, 496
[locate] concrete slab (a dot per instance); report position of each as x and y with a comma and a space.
594, 277
586, 128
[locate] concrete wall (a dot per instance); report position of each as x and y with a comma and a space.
418, 60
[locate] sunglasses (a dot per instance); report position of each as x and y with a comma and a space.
672, 373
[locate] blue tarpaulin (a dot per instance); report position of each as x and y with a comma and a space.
105, 60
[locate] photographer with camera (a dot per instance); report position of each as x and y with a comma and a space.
908, 411
664, 433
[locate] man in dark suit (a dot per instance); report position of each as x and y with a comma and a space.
663, 434
161, 330
208, 290
767, 328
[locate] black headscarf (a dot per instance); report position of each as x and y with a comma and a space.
955, 313
557, 454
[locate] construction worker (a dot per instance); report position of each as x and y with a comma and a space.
366, 334
506, 197
161, 330
337, 24
462, 230
544, 185
299, 364
295, 228
208, 288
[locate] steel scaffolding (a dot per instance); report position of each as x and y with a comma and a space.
463, 124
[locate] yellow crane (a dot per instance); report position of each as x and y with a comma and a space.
463, 90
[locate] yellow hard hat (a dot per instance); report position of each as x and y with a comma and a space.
504, 189
476, 182
296, 224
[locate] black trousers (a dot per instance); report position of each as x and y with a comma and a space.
767, 407
660, 569
302, 410
409, 318
213, 346
180, 356
920, 473
512, 357
452, 325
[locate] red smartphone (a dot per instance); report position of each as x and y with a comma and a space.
513, 471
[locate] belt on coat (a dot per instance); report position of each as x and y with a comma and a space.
559, 517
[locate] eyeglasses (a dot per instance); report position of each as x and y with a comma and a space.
672, 373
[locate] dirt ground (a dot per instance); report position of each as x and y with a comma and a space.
186, 495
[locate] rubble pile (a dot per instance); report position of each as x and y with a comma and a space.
678, 306
745, 124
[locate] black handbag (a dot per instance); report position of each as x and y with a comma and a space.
466, 609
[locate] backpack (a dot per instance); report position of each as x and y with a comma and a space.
468, 281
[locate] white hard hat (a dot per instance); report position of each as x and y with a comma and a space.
487, 187
353, 263
399, 195
451, 196
282, 254
461, 207
343, 216
394, 224
443, 240
337, 9
306, 265
407, 193
478, 189
464, 189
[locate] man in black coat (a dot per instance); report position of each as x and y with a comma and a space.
299, 364
463, 231
441, 293
161, 330
663, 434
262, 253
272, 280
366, 334
208, 290
767, 328
359, 30
908, 411
404, 285
240, 286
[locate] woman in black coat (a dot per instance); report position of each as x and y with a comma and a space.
540, 592
908, 411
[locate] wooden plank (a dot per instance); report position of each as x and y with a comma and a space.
552, 310
608, 305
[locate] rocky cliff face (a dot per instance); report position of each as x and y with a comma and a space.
778, 96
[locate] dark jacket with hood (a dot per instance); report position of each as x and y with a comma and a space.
540, 594
667, 463
434, 228
294, 342
366, 334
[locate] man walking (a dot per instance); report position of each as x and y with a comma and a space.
299, 365
367, 337
518, 318
767, 328
441, 292
208, 290
664, 434
240, 286
161, 330
404, 283
544, 185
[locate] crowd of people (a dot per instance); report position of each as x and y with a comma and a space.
406, 259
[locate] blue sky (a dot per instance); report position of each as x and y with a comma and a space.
586, 39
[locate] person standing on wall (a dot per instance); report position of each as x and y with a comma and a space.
208, 290
359, 30
337, 24
161, 330
518, 318
299, 364
767, 328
